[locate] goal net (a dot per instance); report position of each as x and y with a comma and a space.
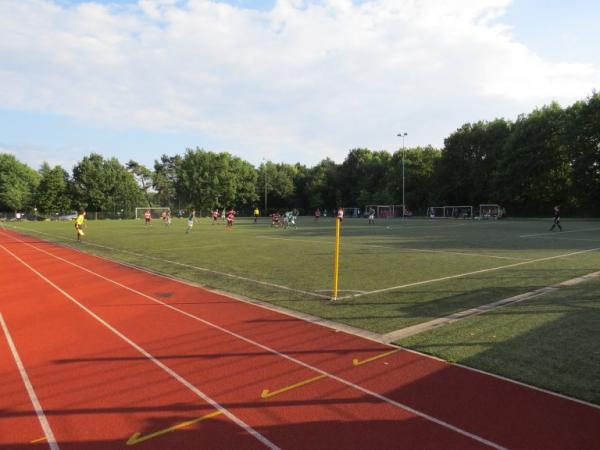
435, 212
155, 212
458, 212
385, 211
491, 211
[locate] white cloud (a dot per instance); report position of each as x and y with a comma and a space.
304, 80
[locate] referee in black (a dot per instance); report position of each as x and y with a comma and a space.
556, 219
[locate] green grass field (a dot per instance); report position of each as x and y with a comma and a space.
392, 275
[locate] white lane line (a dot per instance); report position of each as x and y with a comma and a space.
560, 238
399, 249
167, 369
189, 266
267, 349
29, 387
491, 269
559, 232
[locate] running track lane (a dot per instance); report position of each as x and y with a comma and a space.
88, 406
235, 373
507, 413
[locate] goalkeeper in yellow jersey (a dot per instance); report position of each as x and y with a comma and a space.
79, 224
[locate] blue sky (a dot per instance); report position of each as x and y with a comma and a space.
287, 80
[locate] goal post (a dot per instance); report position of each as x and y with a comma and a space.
435, 212
458, 212
155, 211
491, 211
385, 211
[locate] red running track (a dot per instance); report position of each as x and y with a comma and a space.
120, 356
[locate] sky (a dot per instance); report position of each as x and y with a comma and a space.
282, 80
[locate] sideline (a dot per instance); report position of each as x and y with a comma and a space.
558, 232
27, 382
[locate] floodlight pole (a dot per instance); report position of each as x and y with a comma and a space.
403, 135
265, 169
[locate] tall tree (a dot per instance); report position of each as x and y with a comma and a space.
582, 138
534, 171
104, 185
52, 195
143, 176
18, 183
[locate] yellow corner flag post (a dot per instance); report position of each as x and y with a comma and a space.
336, 259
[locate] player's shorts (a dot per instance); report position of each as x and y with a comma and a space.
190, 223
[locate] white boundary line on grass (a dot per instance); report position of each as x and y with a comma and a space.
450, 277
399, 249
164, 367
559, 232
189, 266
251, 342
39, 411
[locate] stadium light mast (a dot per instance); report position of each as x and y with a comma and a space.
265, 169
403, 135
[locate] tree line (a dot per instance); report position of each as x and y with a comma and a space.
547, 157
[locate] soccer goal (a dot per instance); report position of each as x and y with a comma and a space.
435, 212
155, 212
491, 211
385, 211
458, 212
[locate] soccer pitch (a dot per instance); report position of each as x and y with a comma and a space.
393, 275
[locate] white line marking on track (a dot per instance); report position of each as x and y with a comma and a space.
257, 344
491, 269
167, 369
189, 266
27, 382
559, 232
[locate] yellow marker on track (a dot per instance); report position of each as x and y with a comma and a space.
136, 438
37, 441
357, 362
268, 394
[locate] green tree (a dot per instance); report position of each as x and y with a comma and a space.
165, 179
52, 195
582, 139
534, 171
207, 179
143, 176
104, 185
18, 183
469, 162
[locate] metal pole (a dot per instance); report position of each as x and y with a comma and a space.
403, 135
265, 168
336, 259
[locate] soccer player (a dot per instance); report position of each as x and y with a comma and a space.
147, 217
371, 216
340, 214
190, 222
556, 219
167, 218
79, 224
215, 215
317, 214
256, 214
230, 217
